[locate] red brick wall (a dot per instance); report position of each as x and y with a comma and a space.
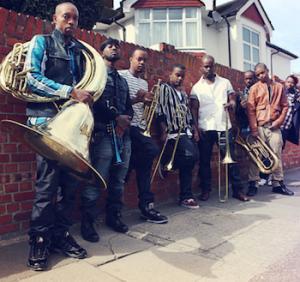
17, 162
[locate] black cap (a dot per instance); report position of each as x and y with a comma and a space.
109, 41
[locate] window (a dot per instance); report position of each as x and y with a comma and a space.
175, 26
250, 48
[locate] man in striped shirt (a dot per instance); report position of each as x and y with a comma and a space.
175, 118
144, 149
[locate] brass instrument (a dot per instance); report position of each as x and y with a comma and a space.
181, 113
149, 111
262, 155
64, 138
226, 161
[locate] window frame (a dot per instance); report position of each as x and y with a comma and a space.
184, 20
250, 44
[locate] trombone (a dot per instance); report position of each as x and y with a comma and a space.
181, 113
226, 161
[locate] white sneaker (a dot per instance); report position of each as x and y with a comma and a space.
262, 182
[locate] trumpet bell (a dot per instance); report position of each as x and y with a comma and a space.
68, 145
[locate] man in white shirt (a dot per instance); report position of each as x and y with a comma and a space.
210, 97
144, 149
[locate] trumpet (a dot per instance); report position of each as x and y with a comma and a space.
181, 113
149, 111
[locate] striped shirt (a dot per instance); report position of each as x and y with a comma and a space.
292, 96
135, 84
170, 101
37, 81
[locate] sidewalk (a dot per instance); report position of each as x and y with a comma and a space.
254, 241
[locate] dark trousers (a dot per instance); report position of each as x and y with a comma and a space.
103, 159
207, 140
185, 159
51, 213
144, 151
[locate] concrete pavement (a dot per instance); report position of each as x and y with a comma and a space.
254, 241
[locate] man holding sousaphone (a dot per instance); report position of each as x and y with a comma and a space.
54, 69
178, 135
110, 148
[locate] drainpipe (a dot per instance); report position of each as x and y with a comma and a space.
123, 29
228, 40
272, 54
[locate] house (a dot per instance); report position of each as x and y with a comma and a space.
238, 33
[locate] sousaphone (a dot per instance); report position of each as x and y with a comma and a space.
64, 138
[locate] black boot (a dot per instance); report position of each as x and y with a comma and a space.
252, 189
113, 220
88, 231
149, 214
39, 253
68, 246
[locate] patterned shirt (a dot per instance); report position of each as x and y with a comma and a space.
170, 100
135, 84
292, 95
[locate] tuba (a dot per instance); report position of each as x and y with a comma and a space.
262, 155
64, 138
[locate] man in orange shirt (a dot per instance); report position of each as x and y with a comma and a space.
267, 107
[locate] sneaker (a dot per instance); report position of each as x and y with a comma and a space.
69, 247
39, 253
252, 189
282, 189
88, 231
151, 215
262, 182
270, 182
189, 203
113, 220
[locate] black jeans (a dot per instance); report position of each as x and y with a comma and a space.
207, 140
51, 213
144, 151
185, 159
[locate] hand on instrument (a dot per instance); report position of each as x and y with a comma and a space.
123, 121
229, 105
273, 126
144, 96
82, 96
244, 104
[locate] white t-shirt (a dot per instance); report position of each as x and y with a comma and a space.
135, 84
212, 97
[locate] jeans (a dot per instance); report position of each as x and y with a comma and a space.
51, 215
144, 151
103, 159
185, 159
207, 140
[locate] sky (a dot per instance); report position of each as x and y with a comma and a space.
283, 15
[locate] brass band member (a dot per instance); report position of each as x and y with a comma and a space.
267, 107
50, 220
242, 118
144, 149
112, 113
172, 100
209, 97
